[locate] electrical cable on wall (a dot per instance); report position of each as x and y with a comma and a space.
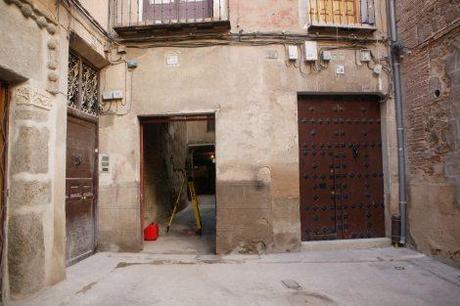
249, 39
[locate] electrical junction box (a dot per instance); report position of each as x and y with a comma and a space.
105, 163
377, 69
172, 60
311, 51
107, 95
132, 64
326, 56
366, 55
340, 69
293, 53
112, 95
117, 95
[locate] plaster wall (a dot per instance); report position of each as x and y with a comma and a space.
253, 93
98, 10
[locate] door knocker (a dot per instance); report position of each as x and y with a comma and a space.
76, 159
355, 150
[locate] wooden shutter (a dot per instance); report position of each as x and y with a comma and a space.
367, 11
337, 12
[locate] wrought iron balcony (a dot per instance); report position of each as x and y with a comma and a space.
342, 13
164, 13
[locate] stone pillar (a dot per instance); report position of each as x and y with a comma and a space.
30, 188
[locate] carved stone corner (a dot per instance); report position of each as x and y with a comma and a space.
42, 19
53, 63
26, 95
53, 87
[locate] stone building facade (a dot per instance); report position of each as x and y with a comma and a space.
34, 53
245, 63
245, 79
431, 78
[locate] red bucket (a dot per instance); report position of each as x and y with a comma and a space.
151, 232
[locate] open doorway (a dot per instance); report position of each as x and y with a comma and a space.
178, 177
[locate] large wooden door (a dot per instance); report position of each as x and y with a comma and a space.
341, 179
80, 189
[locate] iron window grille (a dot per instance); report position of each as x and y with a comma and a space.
83, 86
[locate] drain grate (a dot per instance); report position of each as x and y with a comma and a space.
291, 284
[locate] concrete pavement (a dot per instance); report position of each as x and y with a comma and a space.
385, 276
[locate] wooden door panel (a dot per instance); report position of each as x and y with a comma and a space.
80, 188
341, 179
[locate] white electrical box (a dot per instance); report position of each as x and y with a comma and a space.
104, 163
117, 95
112, 95
326, 56
172, 60
378, 69
340, 69
366, 55
293, 53
311, 51
107, 95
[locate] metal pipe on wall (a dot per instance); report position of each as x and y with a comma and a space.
396, 49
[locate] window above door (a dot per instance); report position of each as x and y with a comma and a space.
166, 14
345, 14
83, 86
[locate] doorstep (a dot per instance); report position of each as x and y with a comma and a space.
348, 244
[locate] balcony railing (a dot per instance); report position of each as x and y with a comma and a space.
342, 13
128, 13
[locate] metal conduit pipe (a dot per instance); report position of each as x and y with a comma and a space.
396, 49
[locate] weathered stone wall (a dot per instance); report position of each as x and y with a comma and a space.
30, 61
431, 79
33, 60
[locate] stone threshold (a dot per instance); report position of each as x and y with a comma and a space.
348, 244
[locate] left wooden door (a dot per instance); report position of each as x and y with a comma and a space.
81, 172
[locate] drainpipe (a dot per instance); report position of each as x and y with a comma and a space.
396, 50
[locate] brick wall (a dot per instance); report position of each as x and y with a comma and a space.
431, 85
